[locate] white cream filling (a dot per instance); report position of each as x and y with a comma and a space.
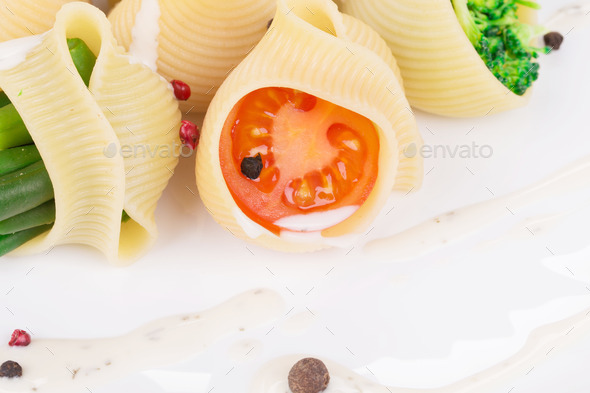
14, 52
144, 45
318, 221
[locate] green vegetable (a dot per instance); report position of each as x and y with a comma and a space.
13, 131
41, 215
3, 99
24, 190
18, 158
125, 217
15, 240
83, 58
502, 41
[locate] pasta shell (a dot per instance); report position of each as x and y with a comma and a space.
89, 138
22, 18
442, 72
310, 48
196, 41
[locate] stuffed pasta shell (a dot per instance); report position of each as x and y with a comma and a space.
22, 18
305, 140
457, 57
104, 127
196, 41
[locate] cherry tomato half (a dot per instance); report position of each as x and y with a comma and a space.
315, 156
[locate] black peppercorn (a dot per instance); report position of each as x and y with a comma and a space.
252, 166
553, 40
309, 375
10, 369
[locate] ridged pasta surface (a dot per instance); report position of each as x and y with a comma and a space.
22, 18
144, 114
199, 41
442, 72
107, 148
308, 48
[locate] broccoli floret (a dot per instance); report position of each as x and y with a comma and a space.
502, 41
468, 23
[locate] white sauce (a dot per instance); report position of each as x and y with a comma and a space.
457, 225
301, 222
543, 343
144, 45
245, 351
318, 221
63, 366
252, 229
14, 52
298, 324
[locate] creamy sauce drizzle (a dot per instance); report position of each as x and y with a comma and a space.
457, 225
144, 45
14, 52
543, 342
64, 366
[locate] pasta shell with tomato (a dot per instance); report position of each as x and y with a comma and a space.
22, 18
443, 73
305, 140
196, 41
99, 144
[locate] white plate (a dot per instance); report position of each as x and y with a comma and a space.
418, 323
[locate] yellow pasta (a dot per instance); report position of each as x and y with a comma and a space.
22, 18
313, 48
196, 41
442, 72
83, 134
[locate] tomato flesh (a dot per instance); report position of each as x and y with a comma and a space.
317, 156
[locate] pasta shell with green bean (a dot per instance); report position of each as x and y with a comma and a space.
315, 55
442, 71
108, 147
196, 41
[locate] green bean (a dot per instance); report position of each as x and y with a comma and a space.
24, 190
18, 158
83, 58
15, 240
4, 100
13, 131
41, 215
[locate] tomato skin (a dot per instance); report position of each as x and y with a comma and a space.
316, 155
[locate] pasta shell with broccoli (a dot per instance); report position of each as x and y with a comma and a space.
457, 57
